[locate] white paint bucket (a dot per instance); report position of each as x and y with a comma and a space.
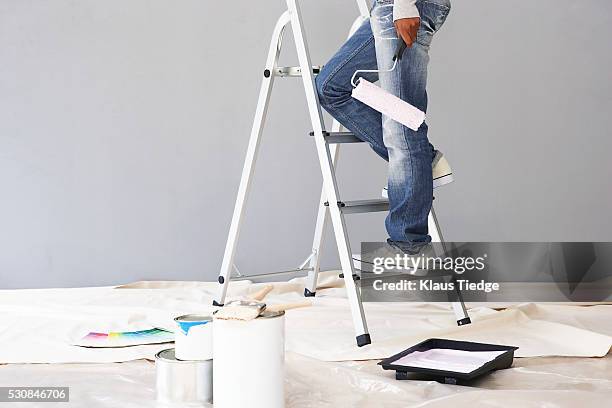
249, 362
187, 382
193, 337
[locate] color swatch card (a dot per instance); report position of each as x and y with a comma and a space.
125, 339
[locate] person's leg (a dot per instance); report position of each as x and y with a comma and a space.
410, 153
334, 88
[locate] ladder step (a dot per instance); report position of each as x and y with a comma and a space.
271, 274
339, 137
364, 206
294, 71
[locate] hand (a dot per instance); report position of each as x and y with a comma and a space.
407, 29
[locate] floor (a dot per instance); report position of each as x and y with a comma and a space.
563, 359
531, 382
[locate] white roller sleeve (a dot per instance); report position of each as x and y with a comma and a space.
388, 104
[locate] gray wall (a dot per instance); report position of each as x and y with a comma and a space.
124, 124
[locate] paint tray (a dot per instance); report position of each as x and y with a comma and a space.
449, 361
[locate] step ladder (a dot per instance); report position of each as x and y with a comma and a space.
331, 206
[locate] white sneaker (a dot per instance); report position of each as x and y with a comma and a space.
441, 171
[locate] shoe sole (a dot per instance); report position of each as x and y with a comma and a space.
437, 182
443, 180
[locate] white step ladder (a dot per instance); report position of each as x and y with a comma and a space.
327, 150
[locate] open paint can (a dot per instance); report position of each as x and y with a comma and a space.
193, 337
187, 382
249, 362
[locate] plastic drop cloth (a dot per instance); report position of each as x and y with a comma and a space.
36, 326
532, 382
41, 324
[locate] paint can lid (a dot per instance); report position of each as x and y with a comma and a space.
193, 318
267, 314
167, 355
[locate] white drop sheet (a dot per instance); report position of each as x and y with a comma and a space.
37, 325
540, 382
34, 326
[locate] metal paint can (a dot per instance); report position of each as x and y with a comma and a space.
249, 362
183, 381
193, 337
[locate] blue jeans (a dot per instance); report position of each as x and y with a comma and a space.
409, 153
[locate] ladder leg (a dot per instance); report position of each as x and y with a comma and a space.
251, 157
364, 7
436, 236
329, 181
317, 242
322, 216
433, 226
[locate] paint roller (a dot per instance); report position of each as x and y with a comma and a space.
384, 102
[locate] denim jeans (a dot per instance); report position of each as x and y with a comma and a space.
409, 153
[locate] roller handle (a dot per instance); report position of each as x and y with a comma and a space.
260, 294
399, 51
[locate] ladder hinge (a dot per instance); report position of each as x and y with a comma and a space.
340, 204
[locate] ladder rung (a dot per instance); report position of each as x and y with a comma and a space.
339, 137
364, 206
271, 274
294, 71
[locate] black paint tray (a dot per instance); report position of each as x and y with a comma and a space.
403, 372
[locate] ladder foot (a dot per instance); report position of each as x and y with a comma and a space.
215, 303
308, 293
363, 340
464, 321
